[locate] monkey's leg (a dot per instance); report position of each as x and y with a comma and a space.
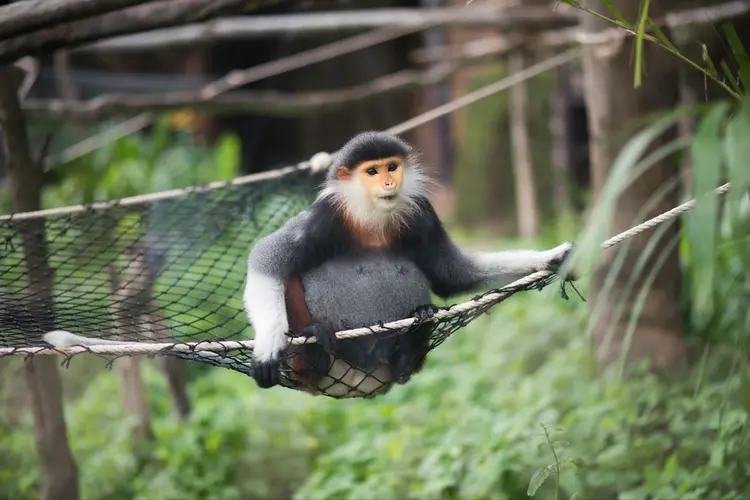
411, 349
317, 357
324, 333
333, 371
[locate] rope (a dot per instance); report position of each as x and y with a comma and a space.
135, 348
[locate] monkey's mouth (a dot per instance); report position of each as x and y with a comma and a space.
390, 197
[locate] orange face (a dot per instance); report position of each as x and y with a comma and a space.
380, 177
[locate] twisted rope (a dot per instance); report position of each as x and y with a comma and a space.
485, 301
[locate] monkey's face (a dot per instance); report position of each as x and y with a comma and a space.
378, 191
382, 180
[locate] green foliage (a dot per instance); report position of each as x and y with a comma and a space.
137, 164
645, 22
467, 427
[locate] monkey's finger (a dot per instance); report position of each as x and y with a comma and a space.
324, 333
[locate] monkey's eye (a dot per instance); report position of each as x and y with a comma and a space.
371, 171
392, 167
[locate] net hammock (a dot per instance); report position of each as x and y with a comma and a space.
165, 273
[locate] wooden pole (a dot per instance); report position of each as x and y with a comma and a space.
59, 470
527, 207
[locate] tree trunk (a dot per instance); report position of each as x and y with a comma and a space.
130, 297
562, 168
59, 470
527, 208
613, 107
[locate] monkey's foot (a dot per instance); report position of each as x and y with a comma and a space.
324, 333
424, 313
266, 373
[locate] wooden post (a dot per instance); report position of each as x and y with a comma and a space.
59, 470
561, 167
130, 295
527, 208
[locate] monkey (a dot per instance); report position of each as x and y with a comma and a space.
370, 248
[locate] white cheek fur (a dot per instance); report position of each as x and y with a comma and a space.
372, 214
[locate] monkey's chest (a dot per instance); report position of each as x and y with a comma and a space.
364, 289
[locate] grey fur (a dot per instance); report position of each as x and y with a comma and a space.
378, 287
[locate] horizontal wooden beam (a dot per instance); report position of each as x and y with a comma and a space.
153, 15
26, 15
236, 102
315, 23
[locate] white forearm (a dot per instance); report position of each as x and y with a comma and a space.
266, 308
502, 268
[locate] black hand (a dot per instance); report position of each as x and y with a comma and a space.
424, 313
555, 264
266, 373
324, 333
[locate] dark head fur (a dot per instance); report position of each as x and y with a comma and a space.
367, 146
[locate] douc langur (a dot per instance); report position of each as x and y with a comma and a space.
369, 249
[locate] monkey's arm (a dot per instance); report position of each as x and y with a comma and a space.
452, 271
289, 251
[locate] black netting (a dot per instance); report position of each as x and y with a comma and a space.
173, 270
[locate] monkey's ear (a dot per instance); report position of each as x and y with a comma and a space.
343, 174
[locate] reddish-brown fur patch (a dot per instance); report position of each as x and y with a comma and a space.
365, 236
299, 317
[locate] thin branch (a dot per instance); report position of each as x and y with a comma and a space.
269, 103
314, 23
91, 144
713, 13
27, 15
156, 14
483, 92
31, 66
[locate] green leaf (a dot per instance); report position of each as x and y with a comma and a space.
670, 468
578, 462
729, 76
640, 31
226, 157
574, 496
710, 66
737, 150
537, 480
745, 390
739, 53
662, 37
702, 223
611, 8
621, 175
